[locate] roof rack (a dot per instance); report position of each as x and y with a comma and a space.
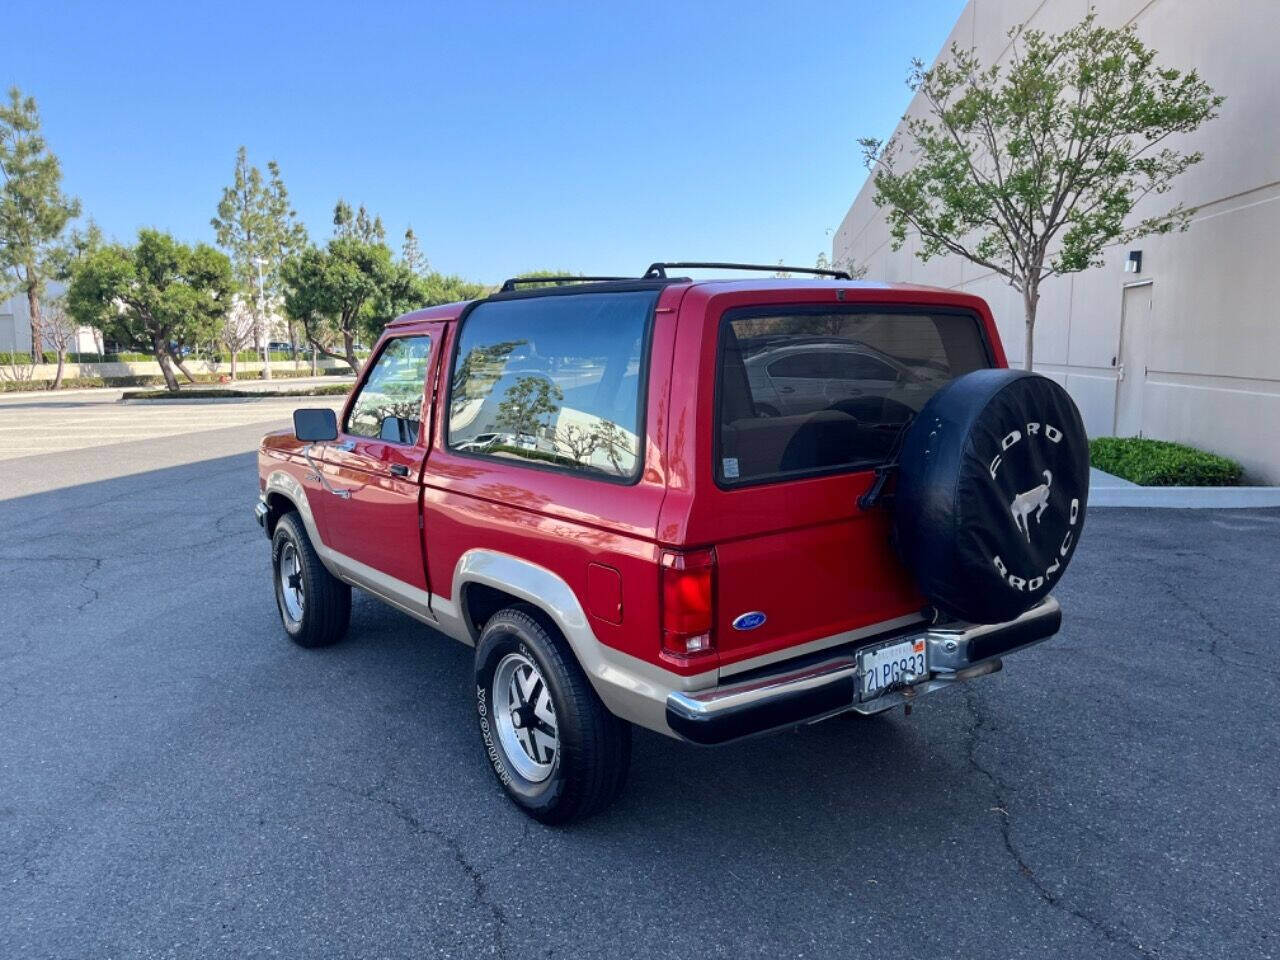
511, 283
658, 271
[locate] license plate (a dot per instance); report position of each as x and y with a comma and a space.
891, 665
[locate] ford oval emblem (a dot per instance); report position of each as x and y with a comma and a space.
749, 621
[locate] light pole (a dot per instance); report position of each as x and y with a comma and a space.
262, 321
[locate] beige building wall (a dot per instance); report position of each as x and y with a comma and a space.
1188, 349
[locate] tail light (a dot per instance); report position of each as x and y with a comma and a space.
688, 608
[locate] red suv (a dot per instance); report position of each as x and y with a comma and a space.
708, 508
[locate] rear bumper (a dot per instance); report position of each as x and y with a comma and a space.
794, 694
260, 511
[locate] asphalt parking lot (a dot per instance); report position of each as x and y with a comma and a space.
177, 780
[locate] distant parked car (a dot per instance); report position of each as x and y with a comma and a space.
487, 441
791, 377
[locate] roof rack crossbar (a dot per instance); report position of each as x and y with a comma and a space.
511, 283
658, 271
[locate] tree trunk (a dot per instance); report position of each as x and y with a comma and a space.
161, 352
233, 363
1030, 300
315, 363
350, 344
57, 377
37, 327
182, 365
266, 351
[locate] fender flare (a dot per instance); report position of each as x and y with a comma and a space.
631, 688
283, 484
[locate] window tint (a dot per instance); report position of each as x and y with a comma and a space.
553, 379
389, 405
804, 366
808, 391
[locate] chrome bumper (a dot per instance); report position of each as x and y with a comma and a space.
804, 694
260, 511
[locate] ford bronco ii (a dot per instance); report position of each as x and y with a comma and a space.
707, 508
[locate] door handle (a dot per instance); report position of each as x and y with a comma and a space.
399, 470
318, 475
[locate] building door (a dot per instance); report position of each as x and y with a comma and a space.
1135, 321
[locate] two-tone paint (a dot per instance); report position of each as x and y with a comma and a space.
444, 535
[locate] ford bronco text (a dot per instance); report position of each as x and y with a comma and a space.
709, 508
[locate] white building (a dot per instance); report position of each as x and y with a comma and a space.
1187, 349
15, 328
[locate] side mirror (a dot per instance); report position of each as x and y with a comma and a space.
315, 425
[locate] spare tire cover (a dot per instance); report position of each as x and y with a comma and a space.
992, 486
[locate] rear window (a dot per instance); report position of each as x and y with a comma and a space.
556, 381
809, 391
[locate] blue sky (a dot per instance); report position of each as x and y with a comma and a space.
592, 137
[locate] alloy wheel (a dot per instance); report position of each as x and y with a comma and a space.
290, 573
525, 717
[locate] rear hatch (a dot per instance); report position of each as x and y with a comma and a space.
808, 400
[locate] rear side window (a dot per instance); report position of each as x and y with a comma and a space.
554, 380
808, 391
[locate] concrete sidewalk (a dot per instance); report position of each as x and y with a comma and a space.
113, 393
1106, 490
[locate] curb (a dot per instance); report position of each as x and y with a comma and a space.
1201, 498
238, 398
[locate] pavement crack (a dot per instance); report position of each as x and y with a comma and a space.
1213, 629
94, 565
475, 874
1000, 805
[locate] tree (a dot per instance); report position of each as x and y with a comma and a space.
436, 288
61, 329
618, 445
259, 228
526, 402
157, 295
350, 288
856, 270
579, 441
411, 255
479, 370
63, 259
33, 209
359, 226
1033, 168
237, 330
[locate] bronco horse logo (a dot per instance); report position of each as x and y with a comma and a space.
1036, 499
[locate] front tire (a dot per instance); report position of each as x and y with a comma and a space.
314, 605
557, 751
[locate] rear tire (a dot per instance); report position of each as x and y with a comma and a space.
314, 605
557, 751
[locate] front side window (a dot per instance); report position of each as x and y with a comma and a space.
810, 390
556, 380
389, 404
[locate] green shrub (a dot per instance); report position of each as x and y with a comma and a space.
207, 393
1157, 463
33, 386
